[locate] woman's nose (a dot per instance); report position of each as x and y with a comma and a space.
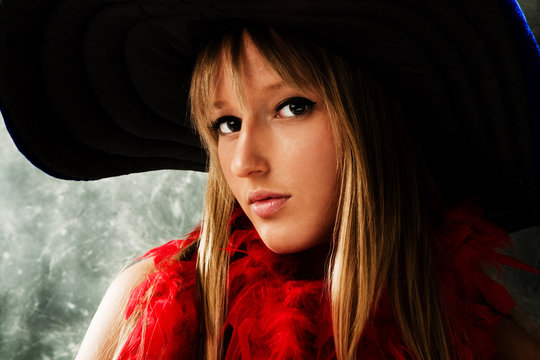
252, 151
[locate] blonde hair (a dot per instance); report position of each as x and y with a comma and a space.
380, 242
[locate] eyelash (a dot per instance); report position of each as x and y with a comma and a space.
305, 102
218, 122
308, 104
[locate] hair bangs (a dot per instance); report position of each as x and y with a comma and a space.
294, 61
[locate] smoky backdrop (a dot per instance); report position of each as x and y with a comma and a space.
62, 242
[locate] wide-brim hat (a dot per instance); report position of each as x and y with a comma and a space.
99, 88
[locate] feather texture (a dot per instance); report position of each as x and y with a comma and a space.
278, 306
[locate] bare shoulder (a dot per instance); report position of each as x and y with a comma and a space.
513, 342
105, 329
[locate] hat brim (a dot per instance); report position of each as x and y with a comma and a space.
92, 89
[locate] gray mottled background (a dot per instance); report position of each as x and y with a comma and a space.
62, 242
531, 9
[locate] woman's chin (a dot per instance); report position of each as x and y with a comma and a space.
284, 249
289, 244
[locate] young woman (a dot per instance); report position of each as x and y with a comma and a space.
325, 233
286, 125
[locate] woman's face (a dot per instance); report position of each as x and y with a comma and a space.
276, 150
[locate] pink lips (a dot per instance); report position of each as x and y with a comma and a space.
265, 203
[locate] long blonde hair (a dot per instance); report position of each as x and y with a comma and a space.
380, 243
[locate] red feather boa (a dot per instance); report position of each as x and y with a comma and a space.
279, 309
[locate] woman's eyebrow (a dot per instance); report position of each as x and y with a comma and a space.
218, 104
274, 86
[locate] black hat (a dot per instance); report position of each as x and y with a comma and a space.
98, 88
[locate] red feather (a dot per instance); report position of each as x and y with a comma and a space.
277, 310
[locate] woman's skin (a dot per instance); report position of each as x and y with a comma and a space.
289, 152
277, 152
513, 342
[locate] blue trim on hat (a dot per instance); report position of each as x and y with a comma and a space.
529, 53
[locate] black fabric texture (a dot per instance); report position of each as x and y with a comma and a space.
92, 89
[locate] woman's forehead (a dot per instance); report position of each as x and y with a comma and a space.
251, 71
245, 65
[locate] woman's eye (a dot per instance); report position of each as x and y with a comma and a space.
227, 124
294, 107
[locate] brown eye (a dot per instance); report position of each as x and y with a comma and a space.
292, 107
227, 124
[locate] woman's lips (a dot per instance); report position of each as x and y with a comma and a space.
264, 204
